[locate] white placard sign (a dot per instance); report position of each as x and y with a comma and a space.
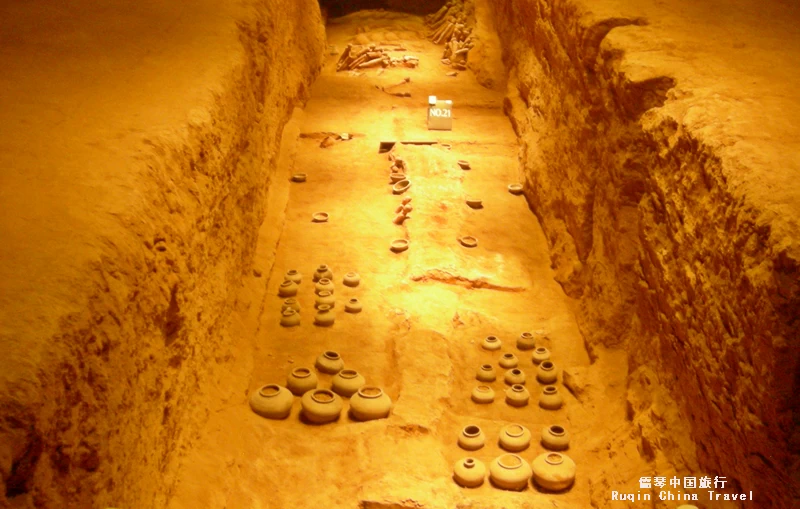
440, 114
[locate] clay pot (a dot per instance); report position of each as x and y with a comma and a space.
287, 289
399, 245
330, 362
486, 373
547, 373
514, 376
508, 361
553, 471
540, 355
468, 241
320, 217
471, 438
290, 318
290, 303
323, 271
369, 403
401, 186
323, 285
550, 398
483, 395
321, 406
396, 177
463, 164
272, 401
469, 472
301, 380
293, 276
517, 396
325, 298
347, 382
515, 189
299, 177
475, 203
555, 438
515, 438
351, 279
525, 341
353, 306
325, 316
491, 343
510, 472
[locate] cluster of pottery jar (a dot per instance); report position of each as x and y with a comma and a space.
320, 405
324, 301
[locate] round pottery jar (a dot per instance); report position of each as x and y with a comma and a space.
471, 438
401, 186
290, 303
272, 401
553, 471
550, 398
483, 395
463, 164
399, 245
347, 382
353, 306
547, 373
325, 316
517, 396
515, 188
515, 438
510, 472
475, 203
509, 361
287, 289
486, 373
469, 472
525, 341
330, 362
540, 355
290, 318
320, 217
555, 438
491, 343
514, 377
351, 279
293, 276
468, 241
325, 298
323, 271
299, 177
321, 406
370, 402
324, 285
301, 380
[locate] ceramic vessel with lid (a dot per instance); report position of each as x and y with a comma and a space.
540, 355
553, 471
301, 380
325, 316
491, 343
347, 382
483, 394
323, 271
469, 472
486, 373
547, 373
514, 376
515, 438
517, 395
369, 403
471, 438
321, 406
272, 401
555, 438
290, 318
550, 398
510, 472
525, 341
508, 361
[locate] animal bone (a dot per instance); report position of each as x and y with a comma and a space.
406, 200
405, 80
371, 63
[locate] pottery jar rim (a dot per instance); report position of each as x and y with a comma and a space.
269, 390
290, 300
322, 268
471, 430
486, 367
469, 462
509, 461
324, 281
332, 355
514, 430
301, 372
323, 308
348, 373
354, 301
541, 349
370, 392
546, 365
550, 389
287, 283
291, 272
483, 388
556, 430
324, 293
508, 355
491, 339
518, 388
288, 312
554, 458
526, 335
516, 371
351, 274
323, 396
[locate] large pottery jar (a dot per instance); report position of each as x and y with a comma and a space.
287, 289
540, 355
323, 271
555, 438
272, 401
483, 394
347, 382
330, 362
514, 376
508, 361
290, 318
321, 406
471, 438
491, 343
517, 395
370, 402
325, 298
301, 380
547, 373
515, 438
290, 303
469, 472
510, 472
550, 398
325, 316
323, 285
293, 276
525, 341
553, 471
351, 279
486, 373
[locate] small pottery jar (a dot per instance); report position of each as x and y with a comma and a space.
486, 373
475, 203
510, 472
299, 177
547, 373
491, 343
515, 438
514, 377
509, 361
290, 303
464, 164
553, 471
347, 382
540, 355
320, 217
471, 438
323, 271
351, 279
399, 245
550, 398
515, 188
323, 285
321, 406
330, 362
293, 276
301, 380
287, 289
525, 341
555, 438
325, 298
353, 306
517, 396
369, 403
483, 395
325, 316
272, 401
468, 241
290, 318
469, 472
401, 186
394, 178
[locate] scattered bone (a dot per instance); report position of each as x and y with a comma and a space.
453, 73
